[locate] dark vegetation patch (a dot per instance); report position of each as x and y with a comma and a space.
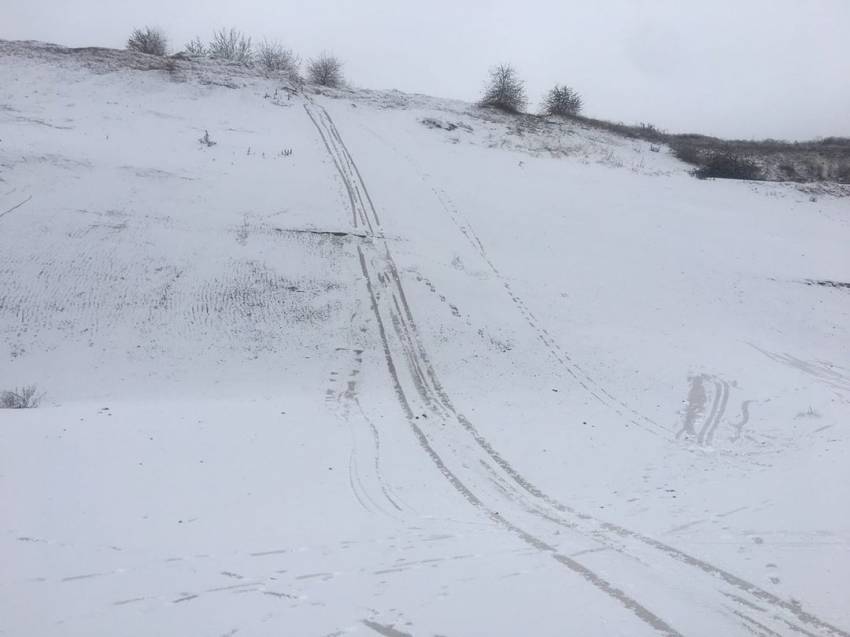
828, 284
728, 166
825, 159
322, 233
431, 122
818, 161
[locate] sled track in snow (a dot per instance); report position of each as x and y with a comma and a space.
473, 467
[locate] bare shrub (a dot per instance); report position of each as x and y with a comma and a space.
651, 132
148, 40
206, 140
274, 58
325, 70
788, 172
505, 90
24, 398
688, 153
811, 412
562, 101
231, 45
196, 48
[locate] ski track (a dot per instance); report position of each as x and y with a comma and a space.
395, 324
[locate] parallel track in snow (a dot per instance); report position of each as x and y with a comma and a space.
659, 585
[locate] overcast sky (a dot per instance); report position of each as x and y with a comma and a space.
742, 68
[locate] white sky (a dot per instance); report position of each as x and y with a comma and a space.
737, 68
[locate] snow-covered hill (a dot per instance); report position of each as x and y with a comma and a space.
375, 363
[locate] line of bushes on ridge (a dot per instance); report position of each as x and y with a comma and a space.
234, 46
505, 90
827, 159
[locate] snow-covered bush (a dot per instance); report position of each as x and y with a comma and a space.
231, 45
23, 398
561, 101
148, 40
505, 90
325, 70
274, 58
196, 47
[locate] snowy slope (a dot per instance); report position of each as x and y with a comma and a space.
438, 371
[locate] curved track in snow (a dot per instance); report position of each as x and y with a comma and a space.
667, 589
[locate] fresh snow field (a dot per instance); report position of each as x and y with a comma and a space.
437, 371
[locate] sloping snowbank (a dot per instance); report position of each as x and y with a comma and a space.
436, 370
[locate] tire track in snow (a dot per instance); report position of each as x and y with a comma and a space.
598, 581
826, 372
574, 369
380, 268
13, 208
365, 473
351, 163
354, 209
563, 358
388, 275
334, 398
376, 437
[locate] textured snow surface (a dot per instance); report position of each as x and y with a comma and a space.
436, 371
